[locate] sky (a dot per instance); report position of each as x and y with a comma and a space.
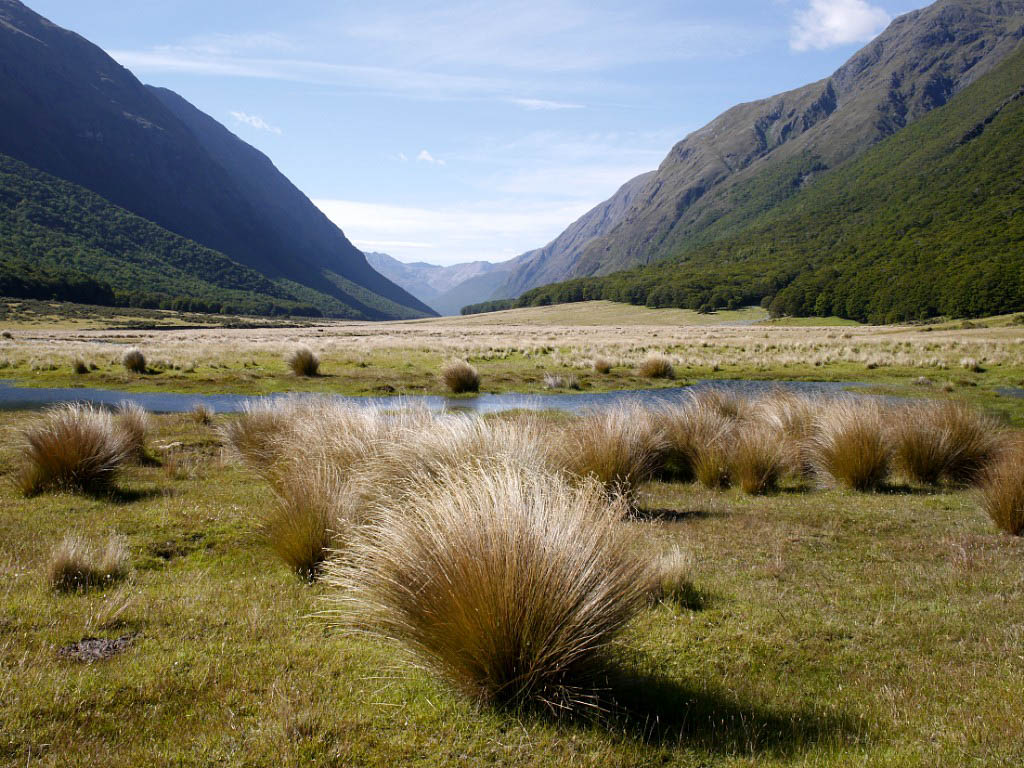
470, 129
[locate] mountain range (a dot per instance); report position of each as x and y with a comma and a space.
755, 156
74, 114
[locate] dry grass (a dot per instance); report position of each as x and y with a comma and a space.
758, 457
947, 440
1002, 489
202, 414
656, 367
133, 425
303, 361
671, 577
254, 435
602, 365
850, 445
620, 447
77, 564
793, 417
460, 377
133, 360
73, 447
509, 583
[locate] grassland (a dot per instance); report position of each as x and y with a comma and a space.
825, 628
517, 350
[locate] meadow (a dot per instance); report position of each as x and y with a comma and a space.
779, 582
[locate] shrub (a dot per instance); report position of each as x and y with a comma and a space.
133, 360
946, 440
74, 447
459, 376
76, 564
1002, 490
133, 424
657, 367
602, 365
620, 447
202, 414
509, 583
79, 366
303, 361
850, 444
757, 459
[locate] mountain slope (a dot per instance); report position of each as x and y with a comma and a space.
59, 240
73, 112
757, 155
444, 289
928, 222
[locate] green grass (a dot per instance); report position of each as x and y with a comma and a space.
836, 629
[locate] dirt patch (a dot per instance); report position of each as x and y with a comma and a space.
92, 649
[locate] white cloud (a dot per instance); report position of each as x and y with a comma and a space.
452, 234
403, 157
429, 159
826, 23
257, 122
544, 104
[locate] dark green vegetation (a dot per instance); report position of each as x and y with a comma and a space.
929, 222
73, 112
829, 629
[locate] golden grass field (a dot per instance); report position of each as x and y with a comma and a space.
249, 589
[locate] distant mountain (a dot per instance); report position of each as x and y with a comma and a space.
445, 289
928, 222
757, 155
70, 110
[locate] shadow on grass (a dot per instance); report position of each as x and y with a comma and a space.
663, 712
118, 495
668, 515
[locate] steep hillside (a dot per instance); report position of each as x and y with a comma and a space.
61, 241
928, 222
757, 155
72, 111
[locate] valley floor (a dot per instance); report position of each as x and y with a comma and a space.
826, 628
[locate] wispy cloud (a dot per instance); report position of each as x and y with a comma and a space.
543, 104
429, 159
827, 23
255, 121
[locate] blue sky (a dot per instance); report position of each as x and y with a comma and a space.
452, 131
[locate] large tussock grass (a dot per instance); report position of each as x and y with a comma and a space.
460, 377
72, 447
133, 425
945, 441
508, 582
1002, 489
303, 361
850, 446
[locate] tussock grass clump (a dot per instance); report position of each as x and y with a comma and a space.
946, 440
793, 417
558, 381
460, 377
133, 424
850, 445
316, 512
133, 360
1002, 489
76, 564
202, 414
671, 577
697, 438
303, 361
602, 365
757, 459
509, 583
79, 366
255, 435
657, 367
73, 447
7, 335
620, 447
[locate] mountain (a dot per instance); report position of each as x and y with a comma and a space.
73, 112
757, 155
61, 241
445, 289
928, 222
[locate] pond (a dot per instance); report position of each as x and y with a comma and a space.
30, 398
